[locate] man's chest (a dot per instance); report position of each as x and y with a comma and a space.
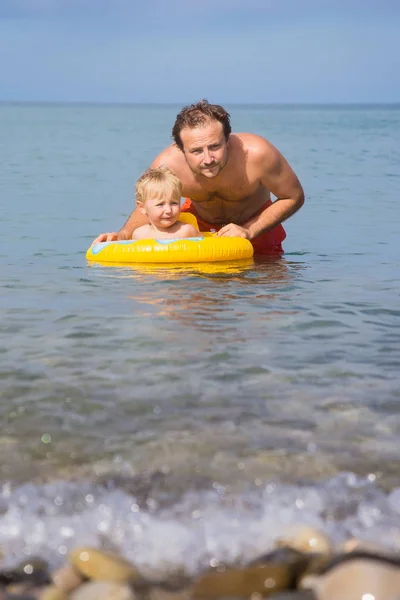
234, 190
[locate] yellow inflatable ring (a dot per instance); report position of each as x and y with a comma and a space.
204, 248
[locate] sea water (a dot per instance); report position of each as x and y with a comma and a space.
184, 416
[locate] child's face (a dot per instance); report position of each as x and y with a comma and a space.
162, 212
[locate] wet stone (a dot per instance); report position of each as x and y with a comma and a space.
299, 595
305, 539
19, 597
261, 579
103, 590
279, 570
285, 555
25, 590
295, 562
52, 592
104, 566
318, 564
339, 559
24, 594
34, 571
355, 545
355, 578
157, 593
66, 578
18, 588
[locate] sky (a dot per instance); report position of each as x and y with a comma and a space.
175, 51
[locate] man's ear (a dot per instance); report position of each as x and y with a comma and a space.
141, 207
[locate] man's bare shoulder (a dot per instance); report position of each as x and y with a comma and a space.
171, 157
256, 146
262, 156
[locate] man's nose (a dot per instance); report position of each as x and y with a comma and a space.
207, 156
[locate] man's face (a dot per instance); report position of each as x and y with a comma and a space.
205, 149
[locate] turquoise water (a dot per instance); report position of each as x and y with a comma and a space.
203, 410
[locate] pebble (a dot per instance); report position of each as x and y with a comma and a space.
22, 589
305, 539
353, 544
357, 579
33, 570
302, 595
157, 593
262, 579
104, 566
66, 578
103, 590
302, 567
52, 592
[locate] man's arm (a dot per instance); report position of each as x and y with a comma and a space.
279, 178
135, 220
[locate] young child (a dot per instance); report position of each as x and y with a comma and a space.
158, 195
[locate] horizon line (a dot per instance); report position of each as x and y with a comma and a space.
176, 103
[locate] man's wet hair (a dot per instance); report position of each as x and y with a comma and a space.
196, 115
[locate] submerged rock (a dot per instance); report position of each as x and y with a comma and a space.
305, 539
356, 545
276, 571
52, 592
66, 578
158, 593
357, 576
104, 566
103, 590
33, 571
242, 582
298, 595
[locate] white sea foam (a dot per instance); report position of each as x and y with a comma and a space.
202, 529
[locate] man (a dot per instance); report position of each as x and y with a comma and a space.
227, 180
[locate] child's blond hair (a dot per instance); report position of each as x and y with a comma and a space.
156, 183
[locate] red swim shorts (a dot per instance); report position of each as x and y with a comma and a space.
269, 242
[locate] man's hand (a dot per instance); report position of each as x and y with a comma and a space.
232, 230
113, 236
106, 237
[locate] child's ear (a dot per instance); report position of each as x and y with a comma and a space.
141, 207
